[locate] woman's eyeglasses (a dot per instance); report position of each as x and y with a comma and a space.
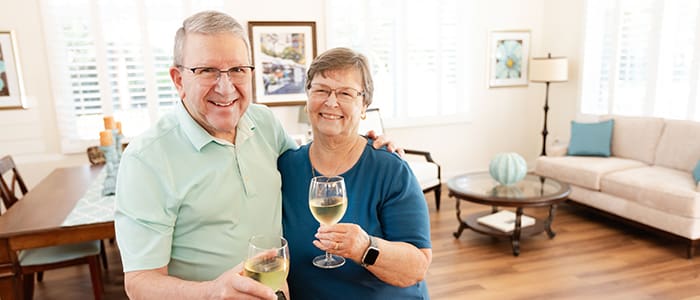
343, 94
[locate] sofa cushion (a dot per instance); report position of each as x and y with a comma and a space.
636, 137
584, 171
590, 139
683, 226
679, 147
660, 188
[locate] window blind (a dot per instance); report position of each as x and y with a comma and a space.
111, 58
414, 55
642, 58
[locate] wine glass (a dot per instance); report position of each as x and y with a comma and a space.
328, 201
268, 260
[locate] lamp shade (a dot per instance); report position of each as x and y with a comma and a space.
549, 69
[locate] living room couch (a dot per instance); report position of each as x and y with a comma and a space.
647, 179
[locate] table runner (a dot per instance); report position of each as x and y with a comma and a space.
92, 207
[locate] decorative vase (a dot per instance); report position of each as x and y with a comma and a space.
508, 168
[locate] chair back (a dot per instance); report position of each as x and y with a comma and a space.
372, 121
8, 192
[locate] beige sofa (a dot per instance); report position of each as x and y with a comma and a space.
647, 180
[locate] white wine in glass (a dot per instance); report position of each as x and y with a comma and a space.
328, 201
268, 260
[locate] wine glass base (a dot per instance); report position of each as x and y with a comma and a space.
332, 263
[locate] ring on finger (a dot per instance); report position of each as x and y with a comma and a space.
337, 245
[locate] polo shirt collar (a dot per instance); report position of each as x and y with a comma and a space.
200, 137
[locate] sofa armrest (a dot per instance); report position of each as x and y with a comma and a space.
557, 149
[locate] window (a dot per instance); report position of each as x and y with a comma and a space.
414, 52
642, 57
111, 58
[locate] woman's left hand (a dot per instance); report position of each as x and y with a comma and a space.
345, 239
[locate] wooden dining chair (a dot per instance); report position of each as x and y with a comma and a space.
8, 193
48, 258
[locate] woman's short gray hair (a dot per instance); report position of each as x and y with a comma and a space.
206, 22
342, 58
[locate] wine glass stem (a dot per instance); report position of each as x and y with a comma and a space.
329, 258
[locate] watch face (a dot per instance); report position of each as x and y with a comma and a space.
371, 256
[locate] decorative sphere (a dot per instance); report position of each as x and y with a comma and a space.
508, 168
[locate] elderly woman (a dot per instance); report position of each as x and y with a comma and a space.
385, 232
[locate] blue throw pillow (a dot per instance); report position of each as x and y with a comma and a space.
696, 172
590, 139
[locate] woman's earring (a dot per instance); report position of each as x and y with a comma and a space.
363, 115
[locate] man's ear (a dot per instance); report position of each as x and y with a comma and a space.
176, 77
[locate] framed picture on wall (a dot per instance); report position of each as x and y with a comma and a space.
509, 54
282, 53
11, 87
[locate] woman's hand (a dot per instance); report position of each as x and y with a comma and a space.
345, 239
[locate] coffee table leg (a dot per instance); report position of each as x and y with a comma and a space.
515, 238
462, 225
549, 220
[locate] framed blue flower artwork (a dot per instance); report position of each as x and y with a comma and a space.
509, 54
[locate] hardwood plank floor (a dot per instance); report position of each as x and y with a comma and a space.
591, 257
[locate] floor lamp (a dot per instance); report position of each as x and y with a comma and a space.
548, 69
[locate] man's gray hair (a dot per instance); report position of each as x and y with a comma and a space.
207, 22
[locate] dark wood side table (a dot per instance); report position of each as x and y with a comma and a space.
532, 191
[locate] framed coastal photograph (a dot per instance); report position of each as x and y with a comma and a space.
11, 87
282, 53
509, 53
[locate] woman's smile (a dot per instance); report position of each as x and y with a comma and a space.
330, 116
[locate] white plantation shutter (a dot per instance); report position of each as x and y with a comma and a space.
414, 55
642, 58
111, 58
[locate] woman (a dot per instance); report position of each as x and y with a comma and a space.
386, 207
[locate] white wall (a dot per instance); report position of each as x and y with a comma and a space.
503, 119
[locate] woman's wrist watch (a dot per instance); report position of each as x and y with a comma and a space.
371, 254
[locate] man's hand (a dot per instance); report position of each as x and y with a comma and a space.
157, 284
382, 140
233, 285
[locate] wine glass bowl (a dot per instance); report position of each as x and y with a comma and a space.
268, 260
328, 202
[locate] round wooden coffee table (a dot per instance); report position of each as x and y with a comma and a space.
532, 191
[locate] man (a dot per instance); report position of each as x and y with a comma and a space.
193, 189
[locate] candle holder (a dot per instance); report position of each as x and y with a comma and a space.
112, 165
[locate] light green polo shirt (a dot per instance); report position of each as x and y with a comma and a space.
191, 201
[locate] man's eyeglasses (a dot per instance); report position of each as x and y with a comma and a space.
343, 94
211, 75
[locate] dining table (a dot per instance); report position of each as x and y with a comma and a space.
66, 207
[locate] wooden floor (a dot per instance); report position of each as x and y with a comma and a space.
590, 258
